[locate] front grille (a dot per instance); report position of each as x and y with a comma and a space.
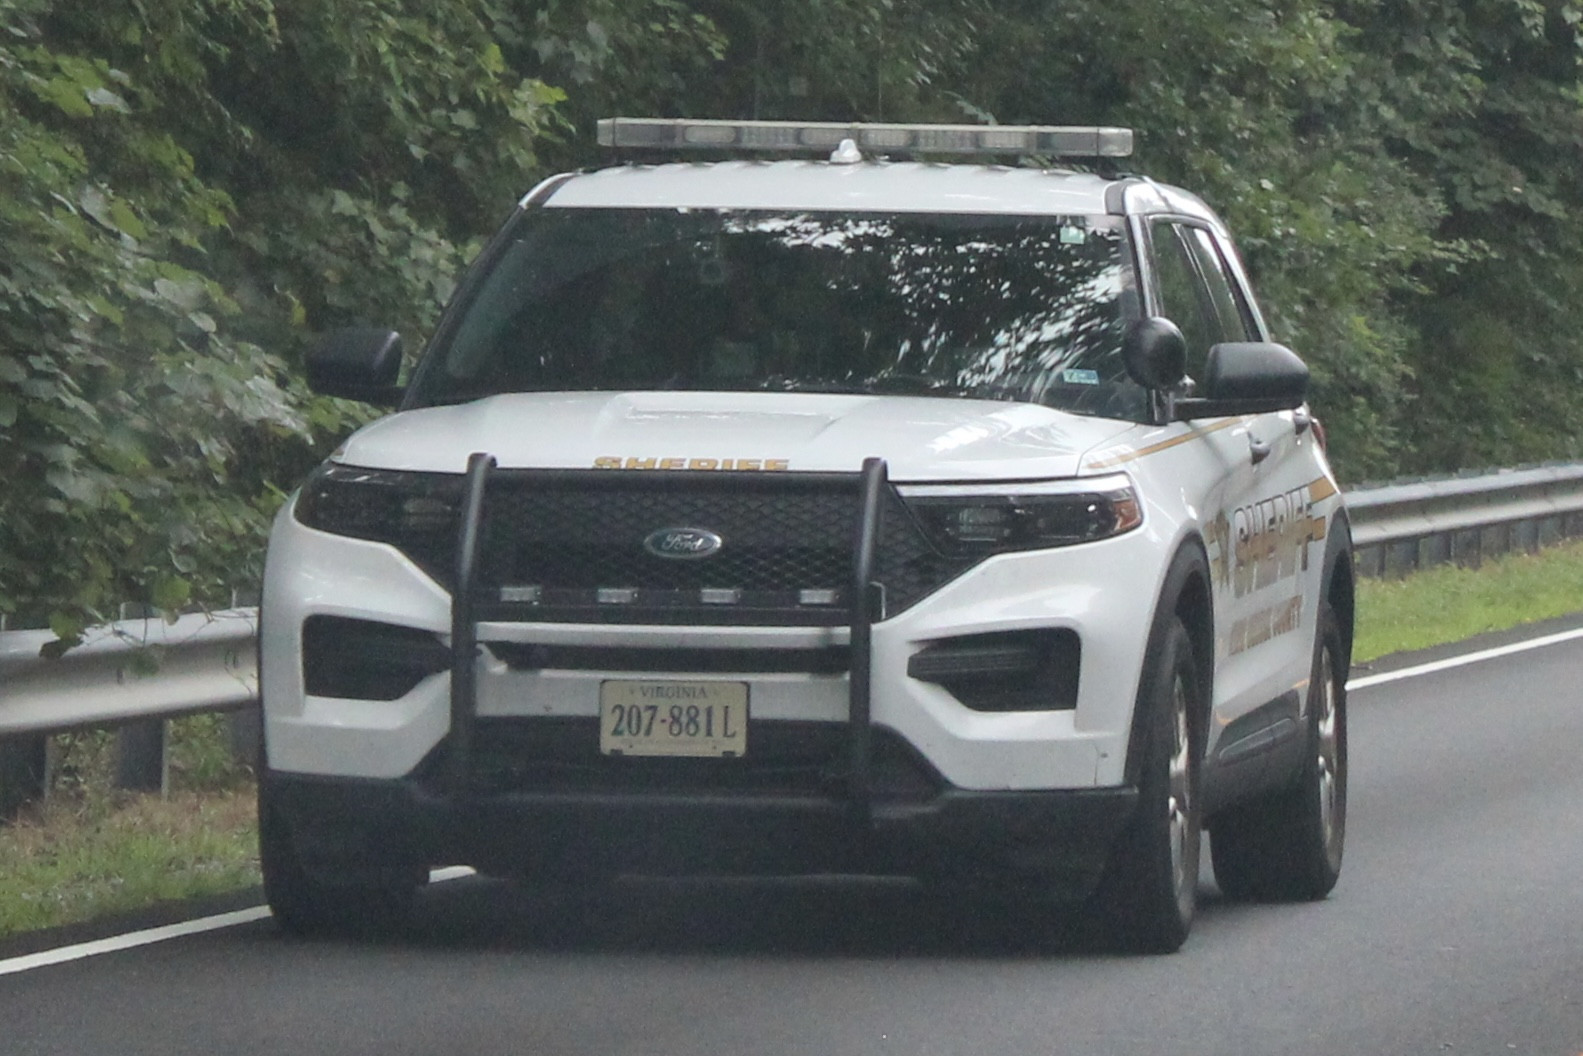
570, 547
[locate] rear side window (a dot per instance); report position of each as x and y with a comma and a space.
1196, 292
1230, 309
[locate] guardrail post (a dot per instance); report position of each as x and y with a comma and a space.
24, 770
1401, 558
140, 762
246, 728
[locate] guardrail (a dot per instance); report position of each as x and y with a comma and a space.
131, 669
132, 674
207, 662
1403, 527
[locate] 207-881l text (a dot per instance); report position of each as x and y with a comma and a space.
677, 720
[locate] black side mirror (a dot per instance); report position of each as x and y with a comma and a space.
357, 364
1248, 377
1155, 353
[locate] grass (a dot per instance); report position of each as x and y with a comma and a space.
89, 852
68, 862
1449, 604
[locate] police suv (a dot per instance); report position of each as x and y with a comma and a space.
839, 513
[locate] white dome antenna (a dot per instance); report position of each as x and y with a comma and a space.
846, 154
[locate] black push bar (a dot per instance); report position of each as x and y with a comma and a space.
464, 629
865, 602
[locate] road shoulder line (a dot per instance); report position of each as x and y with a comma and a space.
131, 940
148, 936
1465, 659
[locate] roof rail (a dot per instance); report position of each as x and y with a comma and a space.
656, 133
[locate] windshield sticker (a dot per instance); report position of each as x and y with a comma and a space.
1073, 236
1080, 377
752, 465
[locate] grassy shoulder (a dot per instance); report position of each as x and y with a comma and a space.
69, 861
1449, 604
88, 852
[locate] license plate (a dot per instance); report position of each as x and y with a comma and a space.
698, 719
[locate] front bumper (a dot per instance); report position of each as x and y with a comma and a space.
1060, 839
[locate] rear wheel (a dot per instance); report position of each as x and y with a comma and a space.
1150, 889
1288, 846
306, 901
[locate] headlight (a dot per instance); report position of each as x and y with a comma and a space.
410, 510
977, 520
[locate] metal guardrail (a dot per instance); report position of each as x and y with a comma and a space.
1402, 527
207, 662
133, 674
131, 669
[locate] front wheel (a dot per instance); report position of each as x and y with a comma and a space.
1150, 889
1287, 847
306, 901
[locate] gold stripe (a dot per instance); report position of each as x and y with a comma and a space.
1321, 489
1163, 445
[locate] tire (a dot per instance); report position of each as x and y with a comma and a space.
1149, 892
306, 903
1288, 846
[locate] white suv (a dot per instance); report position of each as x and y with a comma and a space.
838, 515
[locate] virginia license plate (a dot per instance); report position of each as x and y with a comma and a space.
664, 717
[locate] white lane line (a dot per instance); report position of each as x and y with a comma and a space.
1461, 661
149, 936
133, 939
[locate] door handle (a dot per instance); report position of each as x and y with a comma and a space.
1259, 449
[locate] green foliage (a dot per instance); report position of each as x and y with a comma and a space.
1495, 129
123, 400
186, 191
189, 188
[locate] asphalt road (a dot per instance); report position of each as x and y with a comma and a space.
1457, 928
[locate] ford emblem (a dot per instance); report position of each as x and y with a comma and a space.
682, 544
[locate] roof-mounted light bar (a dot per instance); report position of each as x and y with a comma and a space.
656, 133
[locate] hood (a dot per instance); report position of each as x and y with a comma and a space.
920, 438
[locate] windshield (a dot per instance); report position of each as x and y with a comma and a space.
1025, 308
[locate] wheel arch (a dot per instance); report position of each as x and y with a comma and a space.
1340, 580
1185, 594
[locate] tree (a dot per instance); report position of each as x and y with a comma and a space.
186, 191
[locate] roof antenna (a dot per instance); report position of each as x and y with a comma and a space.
846, 154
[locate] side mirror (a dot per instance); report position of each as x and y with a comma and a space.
1248, 377
357, 364
1155, 353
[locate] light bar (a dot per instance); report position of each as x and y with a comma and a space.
658, 133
